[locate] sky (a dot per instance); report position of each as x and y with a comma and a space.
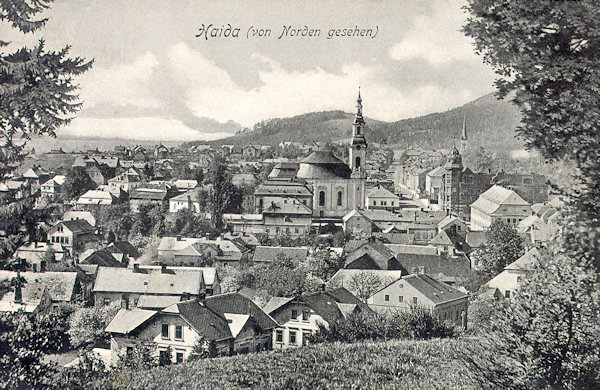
154, 79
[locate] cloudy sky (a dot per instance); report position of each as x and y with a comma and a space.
154, 79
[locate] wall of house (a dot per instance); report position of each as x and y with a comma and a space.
301, 328
358, 223
353, 196
388, 299
507, 281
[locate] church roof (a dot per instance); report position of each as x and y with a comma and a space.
322, 157
323, 164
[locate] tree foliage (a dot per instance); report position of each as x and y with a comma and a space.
87, 324
223, 196
547, 55
77, 182
502, 246
37, 86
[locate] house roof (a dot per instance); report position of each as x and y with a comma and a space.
287, 206
275, 303
525, 261
77, 225
440, 265
343, 276
380, 192
269, 254
150, 192
124, 247
175, 243
492, 199
208, 273
282, 188
322, 164
60, 285
102, 258
436, 172
126, 321
157, 301
96, 197
476, 238
445, 238
235, 303
148, 281
191, 195
449, 219
398, 249
205, 321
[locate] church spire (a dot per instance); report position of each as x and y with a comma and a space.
358, 118
463, 136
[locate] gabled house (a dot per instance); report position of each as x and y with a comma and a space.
123, 251
379, 198
129, 284
286, 216
53, 188
498, 203
189, 200
422, 292
74, 235
102, 258
161, 152
93, 199
126, 181
299, 317
371, 254
232, 322
152, 194
452, 244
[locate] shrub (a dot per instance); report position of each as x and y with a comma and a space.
87, 324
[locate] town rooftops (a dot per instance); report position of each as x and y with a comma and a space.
287, 206
60, 285
75, 226
274, 188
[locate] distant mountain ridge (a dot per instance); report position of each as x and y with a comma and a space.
490, 123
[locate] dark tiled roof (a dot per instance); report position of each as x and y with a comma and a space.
434, 264
78, 225
235, 303
102, 258
271, 253
124, 247
204, 320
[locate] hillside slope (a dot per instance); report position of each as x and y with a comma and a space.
405, 364
490, 123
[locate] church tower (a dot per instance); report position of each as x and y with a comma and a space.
358, 145
463, 136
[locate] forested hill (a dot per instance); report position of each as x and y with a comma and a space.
490, 123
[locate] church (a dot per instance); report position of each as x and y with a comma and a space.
337, 187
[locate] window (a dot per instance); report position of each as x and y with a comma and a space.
387, 298
415, 300
164, 356
294, 314
164, 333
358, 133
179, 357
357, 162
305, 337
59, 229
339, 198
374, 203
305, 315
178, 332
400, 299
292, 336
321, 198
279, 336
106, 301
507, 294
66, 240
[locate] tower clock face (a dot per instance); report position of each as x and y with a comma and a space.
357, 147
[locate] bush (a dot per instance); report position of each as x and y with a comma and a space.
414, 324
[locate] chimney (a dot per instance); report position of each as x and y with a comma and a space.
178, 238
136, 267
163, 268
186, 296
125, 302
201, 298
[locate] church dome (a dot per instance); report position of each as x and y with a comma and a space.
454, 159
323, 164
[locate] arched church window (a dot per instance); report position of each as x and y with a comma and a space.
339, 198
357, 130
321, 198
357, 162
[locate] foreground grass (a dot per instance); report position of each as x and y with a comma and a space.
398, 364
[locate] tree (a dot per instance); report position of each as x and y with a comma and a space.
87, 324
224, 196
364, 284
547, 55
203, 349
77, 182
502, 246
548, 332
36, 85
